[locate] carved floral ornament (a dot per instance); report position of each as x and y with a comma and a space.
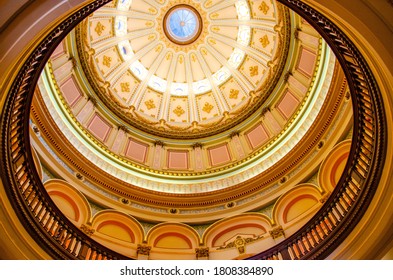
88, 230
99, 28
202, 252
277, 232
143, 249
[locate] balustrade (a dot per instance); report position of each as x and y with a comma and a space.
314, 240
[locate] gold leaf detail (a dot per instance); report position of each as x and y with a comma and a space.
168, 56
158, 48
208, 4
264, 7
214, 16
181, 59
193, 58
87, 229
106, 60
149, 23
233, 94
152, 10
207, 108
99, 28
216, 29
264, 41
125, 87
253, 71
151, 37
212, 41
179, 111
150, 104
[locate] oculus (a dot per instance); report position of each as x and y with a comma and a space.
182, 24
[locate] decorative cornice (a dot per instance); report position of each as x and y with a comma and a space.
197, 145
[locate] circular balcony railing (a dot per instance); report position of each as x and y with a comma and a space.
316, 240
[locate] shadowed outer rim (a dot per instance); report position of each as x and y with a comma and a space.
23, 85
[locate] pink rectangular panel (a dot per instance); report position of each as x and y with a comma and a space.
136, 150
219, 155
306, 62
70, 91
99, 127
177, 159
257, 136
288, 105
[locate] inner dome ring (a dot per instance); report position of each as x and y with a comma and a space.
182, 24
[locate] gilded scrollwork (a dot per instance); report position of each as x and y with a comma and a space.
240, 243
202, 252
143, 249
99, 28
277, 232
88, 230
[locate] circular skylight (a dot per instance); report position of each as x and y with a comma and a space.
182, 24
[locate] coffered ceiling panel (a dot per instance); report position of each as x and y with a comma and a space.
210, 53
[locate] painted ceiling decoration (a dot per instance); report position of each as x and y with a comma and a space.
161, 126
81, 101
185, 68
238, 166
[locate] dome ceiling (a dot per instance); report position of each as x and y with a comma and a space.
272, 88
90, 73
182, 68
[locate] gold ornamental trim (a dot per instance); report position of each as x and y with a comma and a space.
198, 129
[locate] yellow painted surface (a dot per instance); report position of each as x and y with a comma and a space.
172, 242
65, 206
299, 207
116, 231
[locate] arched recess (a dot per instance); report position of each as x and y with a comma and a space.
251, 225
117, 231
172, 241
333, 166
115, 226
296, 204
69, 200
